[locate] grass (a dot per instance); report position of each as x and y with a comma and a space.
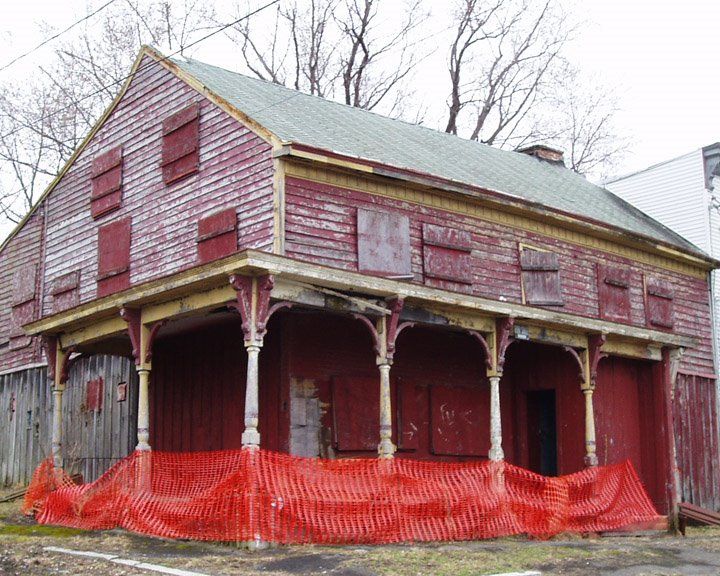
39, 530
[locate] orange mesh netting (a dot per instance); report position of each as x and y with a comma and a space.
244, 495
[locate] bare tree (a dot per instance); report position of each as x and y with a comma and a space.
499, 59
42, 122
580, 118
343, 49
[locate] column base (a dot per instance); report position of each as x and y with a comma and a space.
496, 455
590, 460
386, 449
251, 439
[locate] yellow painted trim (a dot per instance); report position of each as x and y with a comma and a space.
544, 223
554, 336
632, 349
279, 206
97, 331
188, 305
214, 97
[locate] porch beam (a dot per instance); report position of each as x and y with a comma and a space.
208, 277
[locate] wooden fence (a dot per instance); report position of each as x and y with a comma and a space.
99, 408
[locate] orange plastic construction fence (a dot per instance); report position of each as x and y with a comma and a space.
245, 495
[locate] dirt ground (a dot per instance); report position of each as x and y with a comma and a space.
23, 543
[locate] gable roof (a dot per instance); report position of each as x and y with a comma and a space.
295, 117
285, 116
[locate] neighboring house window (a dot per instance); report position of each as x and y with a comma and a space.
24, 290
540, 277
106, 182
65, 291
614, 293
447, 254
217, 235
383, 243
180, 144
113, 257
658, 303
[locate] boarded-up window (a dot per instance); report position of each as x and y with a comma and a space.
446, 253
356, 413
658, 303
65, 291
180, 156
24, 288
614, 293
24, 284
94, 395
383, 243
540, 277
113, 257
106, 182
459, 421
217, 235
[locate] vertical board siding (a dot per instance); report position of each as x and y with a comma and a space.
320, 227
93, 440
696, 440
235, 171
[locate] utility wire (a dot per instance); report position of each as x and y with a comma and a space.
141, 68
48, 40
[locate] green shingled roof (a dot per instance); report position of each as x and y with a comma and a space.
303, 119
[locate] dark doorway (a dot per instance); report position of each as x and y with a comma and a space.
542, 432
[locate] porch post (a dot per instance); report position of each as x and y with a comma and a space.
592, 357
496, 452
386, 448
251, 436
143, 417
253, 304
591, 458
59, 381
142, 337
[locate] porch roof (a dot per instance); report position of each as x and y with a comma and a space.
207, 287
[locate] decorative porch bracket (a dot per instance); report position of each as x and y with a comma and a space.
384, 332
587, 361
142, 338
253, 304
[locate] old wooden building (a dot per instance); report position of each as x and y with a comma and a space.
293, 273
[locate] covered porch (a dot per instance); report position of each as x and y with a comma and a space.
338, 364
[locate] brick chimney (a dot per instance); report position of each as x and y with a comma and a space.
544, 153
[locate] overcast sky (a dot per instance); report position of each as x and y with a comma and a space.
660, 56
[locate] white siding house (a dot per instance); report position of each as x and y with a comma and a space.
684, 194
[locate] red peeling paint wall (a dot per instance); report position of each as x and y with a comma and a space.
235, 171
198, 389
321, 227
21, 294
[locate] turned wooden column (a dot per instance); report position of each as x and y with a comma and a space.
57, 371
253, 304
496, 452
142, 336
385, 331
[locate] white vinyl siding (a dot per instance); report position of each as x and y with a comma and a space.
674, 194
